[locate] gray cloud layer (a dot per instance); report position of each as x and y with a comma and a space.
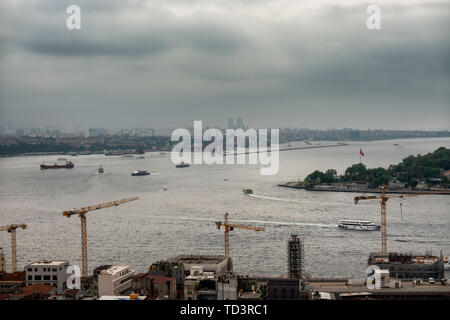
277, 63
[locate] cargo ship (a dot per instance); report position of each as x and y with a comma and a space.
57, 165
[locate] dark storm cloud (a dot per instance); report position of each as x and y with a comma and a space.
277, 63
105, 33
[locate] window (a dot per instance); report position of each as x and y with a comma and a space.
29, 269
30, 277
46, 277
54, 270
55, 278
35, 269
37, 278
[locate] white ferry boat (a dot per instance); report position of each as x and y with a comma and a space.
358, 225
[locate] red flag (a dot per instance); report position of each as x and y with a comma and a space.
361, 152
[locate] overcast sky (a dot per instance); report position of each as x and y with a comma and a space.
276, 63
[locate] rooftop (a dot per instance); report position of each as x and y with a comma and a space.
339, 286
199, 259
15, 276
154, 278
48, 263
37, 288
114, 269
121, 298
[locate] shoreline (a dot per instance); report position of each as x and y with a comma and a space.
295, 185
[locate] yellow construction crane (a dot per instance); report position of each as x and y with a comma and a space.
229, 227
82, 214
12, 229
384, 198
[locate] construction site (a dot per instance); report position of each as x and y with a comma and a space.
211, 277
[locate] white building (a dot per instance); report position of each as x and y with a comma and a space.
227, 288
52, 272
115, 281
200, 285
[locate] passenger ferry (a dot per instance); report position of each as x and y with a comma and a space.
358, 225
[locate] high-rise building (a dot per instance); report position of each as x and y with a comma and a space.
230, 123
295, 257
240, 123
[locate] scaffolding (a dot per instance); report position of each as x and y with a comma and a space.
295, 257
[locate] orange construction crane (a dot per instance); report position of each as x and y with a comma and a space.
12, 229
82, 214
229, 227
384, 198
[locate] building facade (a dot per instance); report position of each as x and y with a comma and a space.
115, 281
11, 282
2, 261
52, 272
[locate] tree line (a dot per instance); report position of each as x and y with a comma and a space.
409, 171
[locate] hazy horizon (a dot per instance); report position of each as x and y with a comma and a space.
275, 63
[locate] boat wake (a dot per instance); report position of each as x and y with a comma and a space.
272, 198
278, 223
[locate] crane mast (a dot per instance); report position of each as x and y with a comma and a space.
12, 229
384, 198
82, 214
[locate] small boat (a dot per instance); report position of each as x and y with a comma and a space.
358, 225
66, 165
140, 173
247, 191
446, 263
182, 165
100, 169
127, 156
